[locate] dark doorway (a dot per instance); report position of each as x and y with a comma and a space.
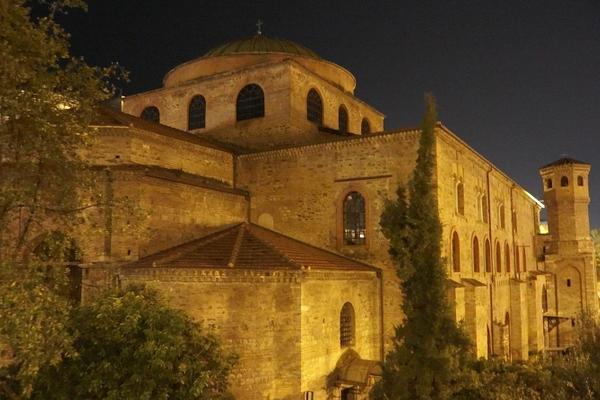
347, 394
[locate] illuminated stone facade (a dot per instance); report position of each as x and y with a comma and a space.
515, 290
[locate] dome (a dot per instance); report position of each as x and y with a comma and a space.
261, 44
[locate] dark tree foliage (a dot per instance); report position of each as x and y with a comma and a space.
130, 345
427, 348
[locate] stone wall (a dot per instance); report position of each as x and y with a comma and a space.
124, 145
172, 212
256, 314
323, 295
302, 190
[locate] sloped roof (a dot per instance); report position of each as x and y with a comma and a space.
248, 246
564, 161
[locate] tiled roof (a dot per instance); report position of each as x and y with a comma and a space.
565, 161
248, 246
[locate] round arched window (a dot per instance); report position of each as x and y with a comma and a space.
314, 107
343, 120
150, 114
250, 102
197, 113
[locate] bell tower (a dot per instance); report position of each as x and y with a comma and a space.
568, 251
566, 196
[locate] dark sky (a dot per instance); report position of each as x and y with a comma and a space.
517, 80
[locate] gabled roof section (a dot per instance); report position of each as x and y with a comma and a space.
110, 117
248, 246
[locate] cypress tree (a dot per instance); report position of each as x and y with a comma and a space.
427, 346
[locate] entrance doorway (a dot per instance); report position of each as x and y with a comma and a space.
347, 394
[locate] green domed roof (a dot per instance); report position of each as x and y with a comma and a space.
261, 44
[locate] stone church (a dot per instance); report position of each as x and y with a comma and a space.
263, 177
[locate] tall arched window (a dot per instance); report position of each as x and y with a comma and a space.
354, 219
197, 113
365, 127
342, 119
314, 107
544, 299
484, 208
564, 181
517, 260
501, 216
488, 256
549, 183
580, 181
524, 259
460, 198
250, 102
347, 325
475, 254
150, 113
455, 252
507, 257
498, 258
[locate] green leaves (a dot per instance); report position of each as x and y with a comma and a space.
131, 345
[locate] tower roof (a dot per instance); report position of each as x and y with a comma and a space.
259, 44
565, 161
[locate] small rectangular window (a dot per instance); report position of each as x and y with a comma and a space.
309, 395
568, 283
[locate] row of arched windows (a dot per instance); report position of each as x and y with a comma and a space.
250, 103
482, 206
564, 182
487, 259
314, 113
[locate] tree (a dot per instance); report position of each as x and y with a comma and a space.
428, 345
130, 345
47, 101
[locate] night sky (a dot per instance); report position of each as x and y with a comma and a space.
517, 80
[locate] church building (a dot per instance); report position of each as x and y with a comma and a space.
262, 179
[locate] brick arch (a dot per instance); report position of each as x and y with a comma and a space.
339, 207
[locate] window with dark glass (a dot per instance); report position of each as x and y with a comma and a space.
580, 181
544, 299
498, 258
314, 107
347, 325
475, 254
564, 181
517, 259
488, 256
548, 183
455, 252
501, 216
250, 102
197, 113
365, 127
354, 219
151, 114
343, 120
524, 259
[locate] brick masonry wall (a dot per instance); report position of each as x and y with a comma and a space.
323, 295
303, 189
256, 314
